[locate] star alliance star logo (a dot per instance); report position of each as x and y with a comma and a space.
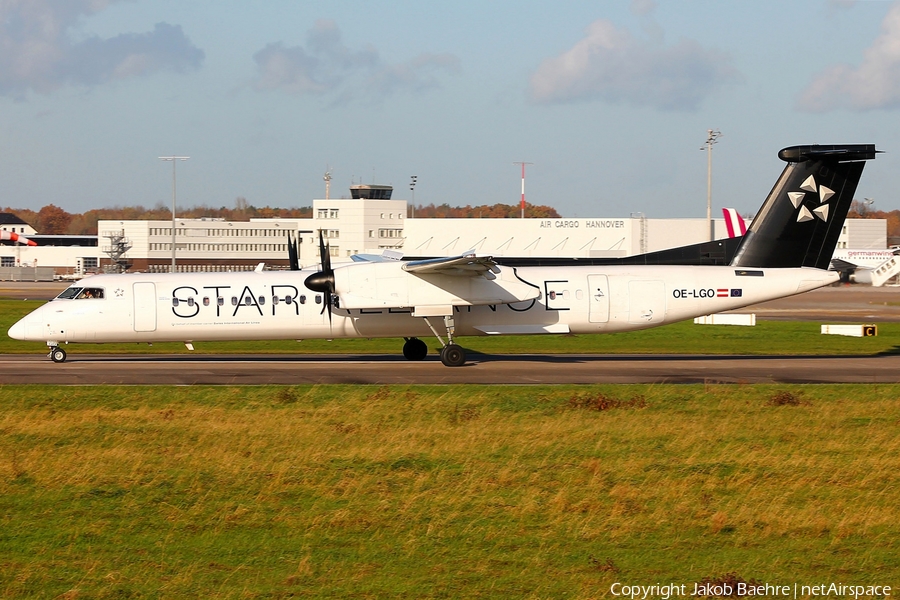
119, 292
797, 199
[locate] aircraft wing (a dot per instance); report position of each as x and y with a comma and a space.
466, 265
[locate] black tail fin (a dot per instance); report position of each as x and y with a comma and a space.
801, 219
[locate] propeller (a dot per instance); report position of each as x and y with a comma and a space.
323, 281
293, 253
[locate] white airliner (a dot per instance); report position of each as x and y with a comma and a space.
873, 267
786, 250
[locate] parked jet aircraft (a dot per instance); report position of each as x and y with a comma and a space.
873, 267
786, 250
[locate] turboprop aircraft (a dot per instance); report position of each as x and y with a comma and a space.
786, 250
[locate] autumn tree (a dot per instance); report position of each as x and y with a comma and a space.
52, 220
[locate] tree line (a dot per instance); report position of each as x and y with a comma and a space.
53, 220
862, 210
484, 211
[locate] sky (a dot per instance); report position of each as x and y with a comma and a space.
610, 101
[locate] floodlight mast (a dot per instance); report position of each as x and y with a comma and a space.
327, 178
174, 160
712, 136
523, 183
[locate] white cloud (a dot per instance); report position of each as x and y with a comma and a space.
610, 65
874, 84
37, 52
326, 65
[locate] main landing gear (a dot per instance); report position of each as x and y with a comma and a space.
414, 349
452, 355
57, 354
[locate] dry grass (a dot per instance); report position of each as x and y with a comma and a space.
441, 491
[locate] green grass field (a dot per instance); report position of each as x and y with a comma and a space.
443, 492
450, 491
767, 338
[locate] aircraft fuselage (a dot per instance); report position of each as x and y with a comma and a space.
276, 305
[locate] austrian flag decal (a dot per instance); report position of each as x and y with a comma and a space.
729, 293
721, 293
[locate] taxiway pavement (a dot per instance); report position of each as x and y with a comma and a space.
85, 369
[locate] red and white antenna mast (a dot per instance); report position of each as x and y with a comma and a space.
523, 183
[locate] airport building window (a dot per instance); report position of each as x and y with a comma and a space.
90, 262
7, 261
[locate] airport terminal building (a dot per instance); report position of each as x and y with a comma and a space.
368, 222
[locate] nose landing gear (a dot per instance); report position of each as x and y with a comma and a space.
57, 354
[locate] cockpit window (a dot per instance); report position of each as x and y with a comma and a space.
91, 293
80, 292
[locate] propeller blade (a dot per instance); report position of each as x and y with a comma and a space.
293, 253
323, 281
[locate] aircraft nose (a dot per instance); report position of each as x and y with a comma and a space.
19, 331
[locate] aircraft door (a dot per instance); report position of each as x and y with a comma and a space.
646, 301
598, 292
144, 306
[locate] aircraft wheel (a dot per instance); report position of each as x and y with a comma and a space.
453, 356
415, 349
58, 355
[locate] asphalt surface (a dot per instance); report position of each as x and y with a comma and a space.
834, 304
85, 369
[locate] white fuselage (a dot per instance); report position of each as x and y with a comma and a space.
865, 258
143, 307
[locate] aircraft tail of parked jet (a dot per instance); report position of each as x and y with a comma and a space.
734, 223
801, 219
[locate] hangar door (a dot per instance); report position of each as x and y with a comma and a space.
144, 306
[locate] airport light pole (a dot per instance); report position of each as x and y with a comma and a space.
174, 160
412, 188
523, 183
711, 137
